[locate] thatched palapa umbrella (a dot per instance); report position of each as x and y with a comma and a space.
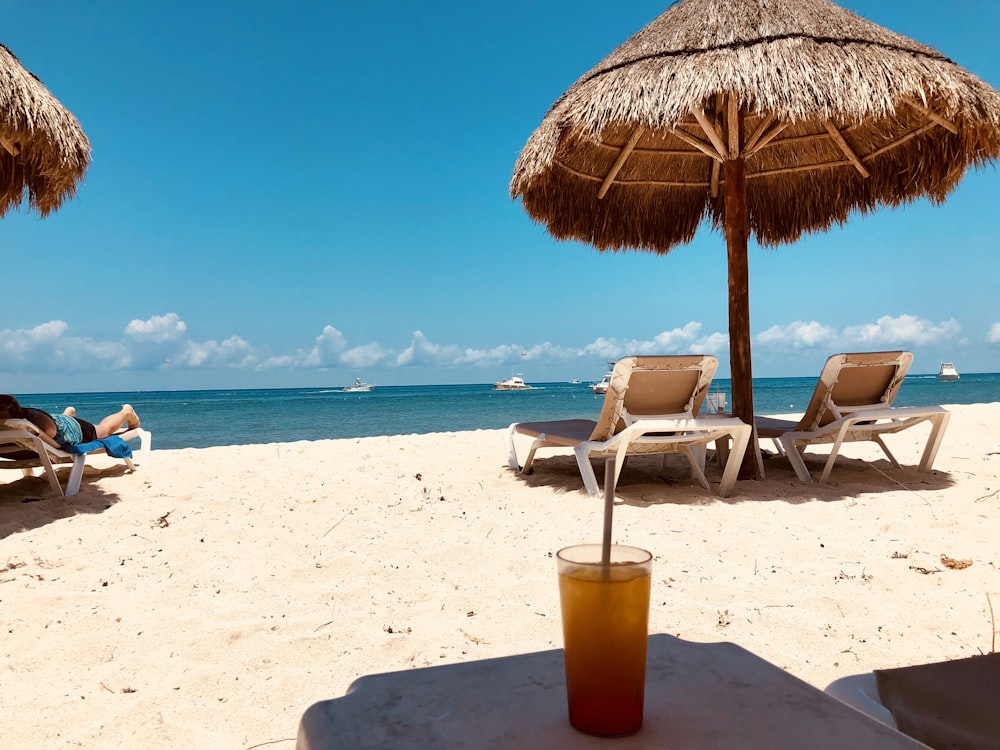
775, 117
43, 150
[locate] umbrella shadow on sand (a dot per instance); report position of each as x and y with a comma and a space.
29, 502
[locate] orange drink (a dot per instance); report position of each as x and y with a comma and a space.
605, 617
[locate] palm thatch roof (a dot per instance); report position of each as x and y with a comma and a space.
43, 150
831, 113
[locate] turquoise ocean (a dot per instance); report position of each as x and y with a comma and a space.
202, 419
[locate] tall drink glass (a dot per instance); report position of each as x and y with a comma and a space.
605, 617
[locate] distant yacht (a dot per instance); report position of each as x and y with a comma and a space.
601, 387
947, 372
359, 387
513, 383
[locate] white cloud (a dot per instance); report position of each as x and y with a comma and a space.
903, 330
797, 335
489, 357
330, 350
331, 341
676, 341
18, 344
48, 331
233, 352
47, 347
282, 362
714, 343
162, 342
422, 351
994, 335
604, 348
158, 329
325, 352
366, 355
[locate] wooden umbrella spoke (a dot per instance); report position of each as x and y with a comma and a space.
901, 140
760, 140
698, 143
733, 122
13, 147
638, 181
759, 131
846, 148
713, 135
620, 161
932, 115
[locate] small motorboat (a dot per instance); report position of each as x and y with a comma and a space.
947, 371
601, 387
513, 383
359, 387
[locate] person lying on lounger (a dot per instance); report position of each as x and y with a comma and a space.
67, 428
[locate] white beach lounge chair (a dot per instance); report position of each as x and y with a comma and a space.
852, 402
651, 407
24, 446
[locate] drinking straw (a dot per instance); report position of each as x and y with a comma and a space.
609, 504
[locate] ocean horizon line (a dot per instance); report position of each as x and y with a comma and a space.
244, 416
339, 388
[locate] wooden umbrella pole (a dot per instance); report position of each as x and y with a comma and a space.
737, 236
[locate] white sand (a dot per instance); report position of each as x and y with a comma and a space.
208, 599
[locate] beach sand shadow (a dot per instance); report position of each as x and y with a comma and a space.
641, 485
30, 503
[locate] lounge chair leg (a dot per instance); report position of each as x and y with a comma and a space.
586, 469
741, 440
508, 440
50, 472
778, 446
145, 447
938, 425
795, 457
885, 449
835, 450
76, 474
526, 469
663, 466
696, 457
755, 446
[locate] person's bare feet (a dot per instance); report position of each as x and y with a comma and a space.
69, 411
131, 418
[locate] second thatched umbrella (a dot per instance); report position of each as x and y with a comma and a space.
43, 150
775, 117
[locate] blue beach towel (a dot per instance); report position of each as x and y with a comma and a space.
113, 445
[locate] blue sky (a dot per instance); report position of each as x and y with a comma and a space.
295, 194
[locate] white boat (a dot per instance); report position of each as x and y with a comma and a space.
358, 387
513, 383
947, 371
601, 387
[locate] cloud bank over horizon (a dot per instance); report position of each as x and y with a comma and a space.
165, 343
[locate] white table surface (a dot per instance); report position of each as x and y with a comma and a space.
703, 696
